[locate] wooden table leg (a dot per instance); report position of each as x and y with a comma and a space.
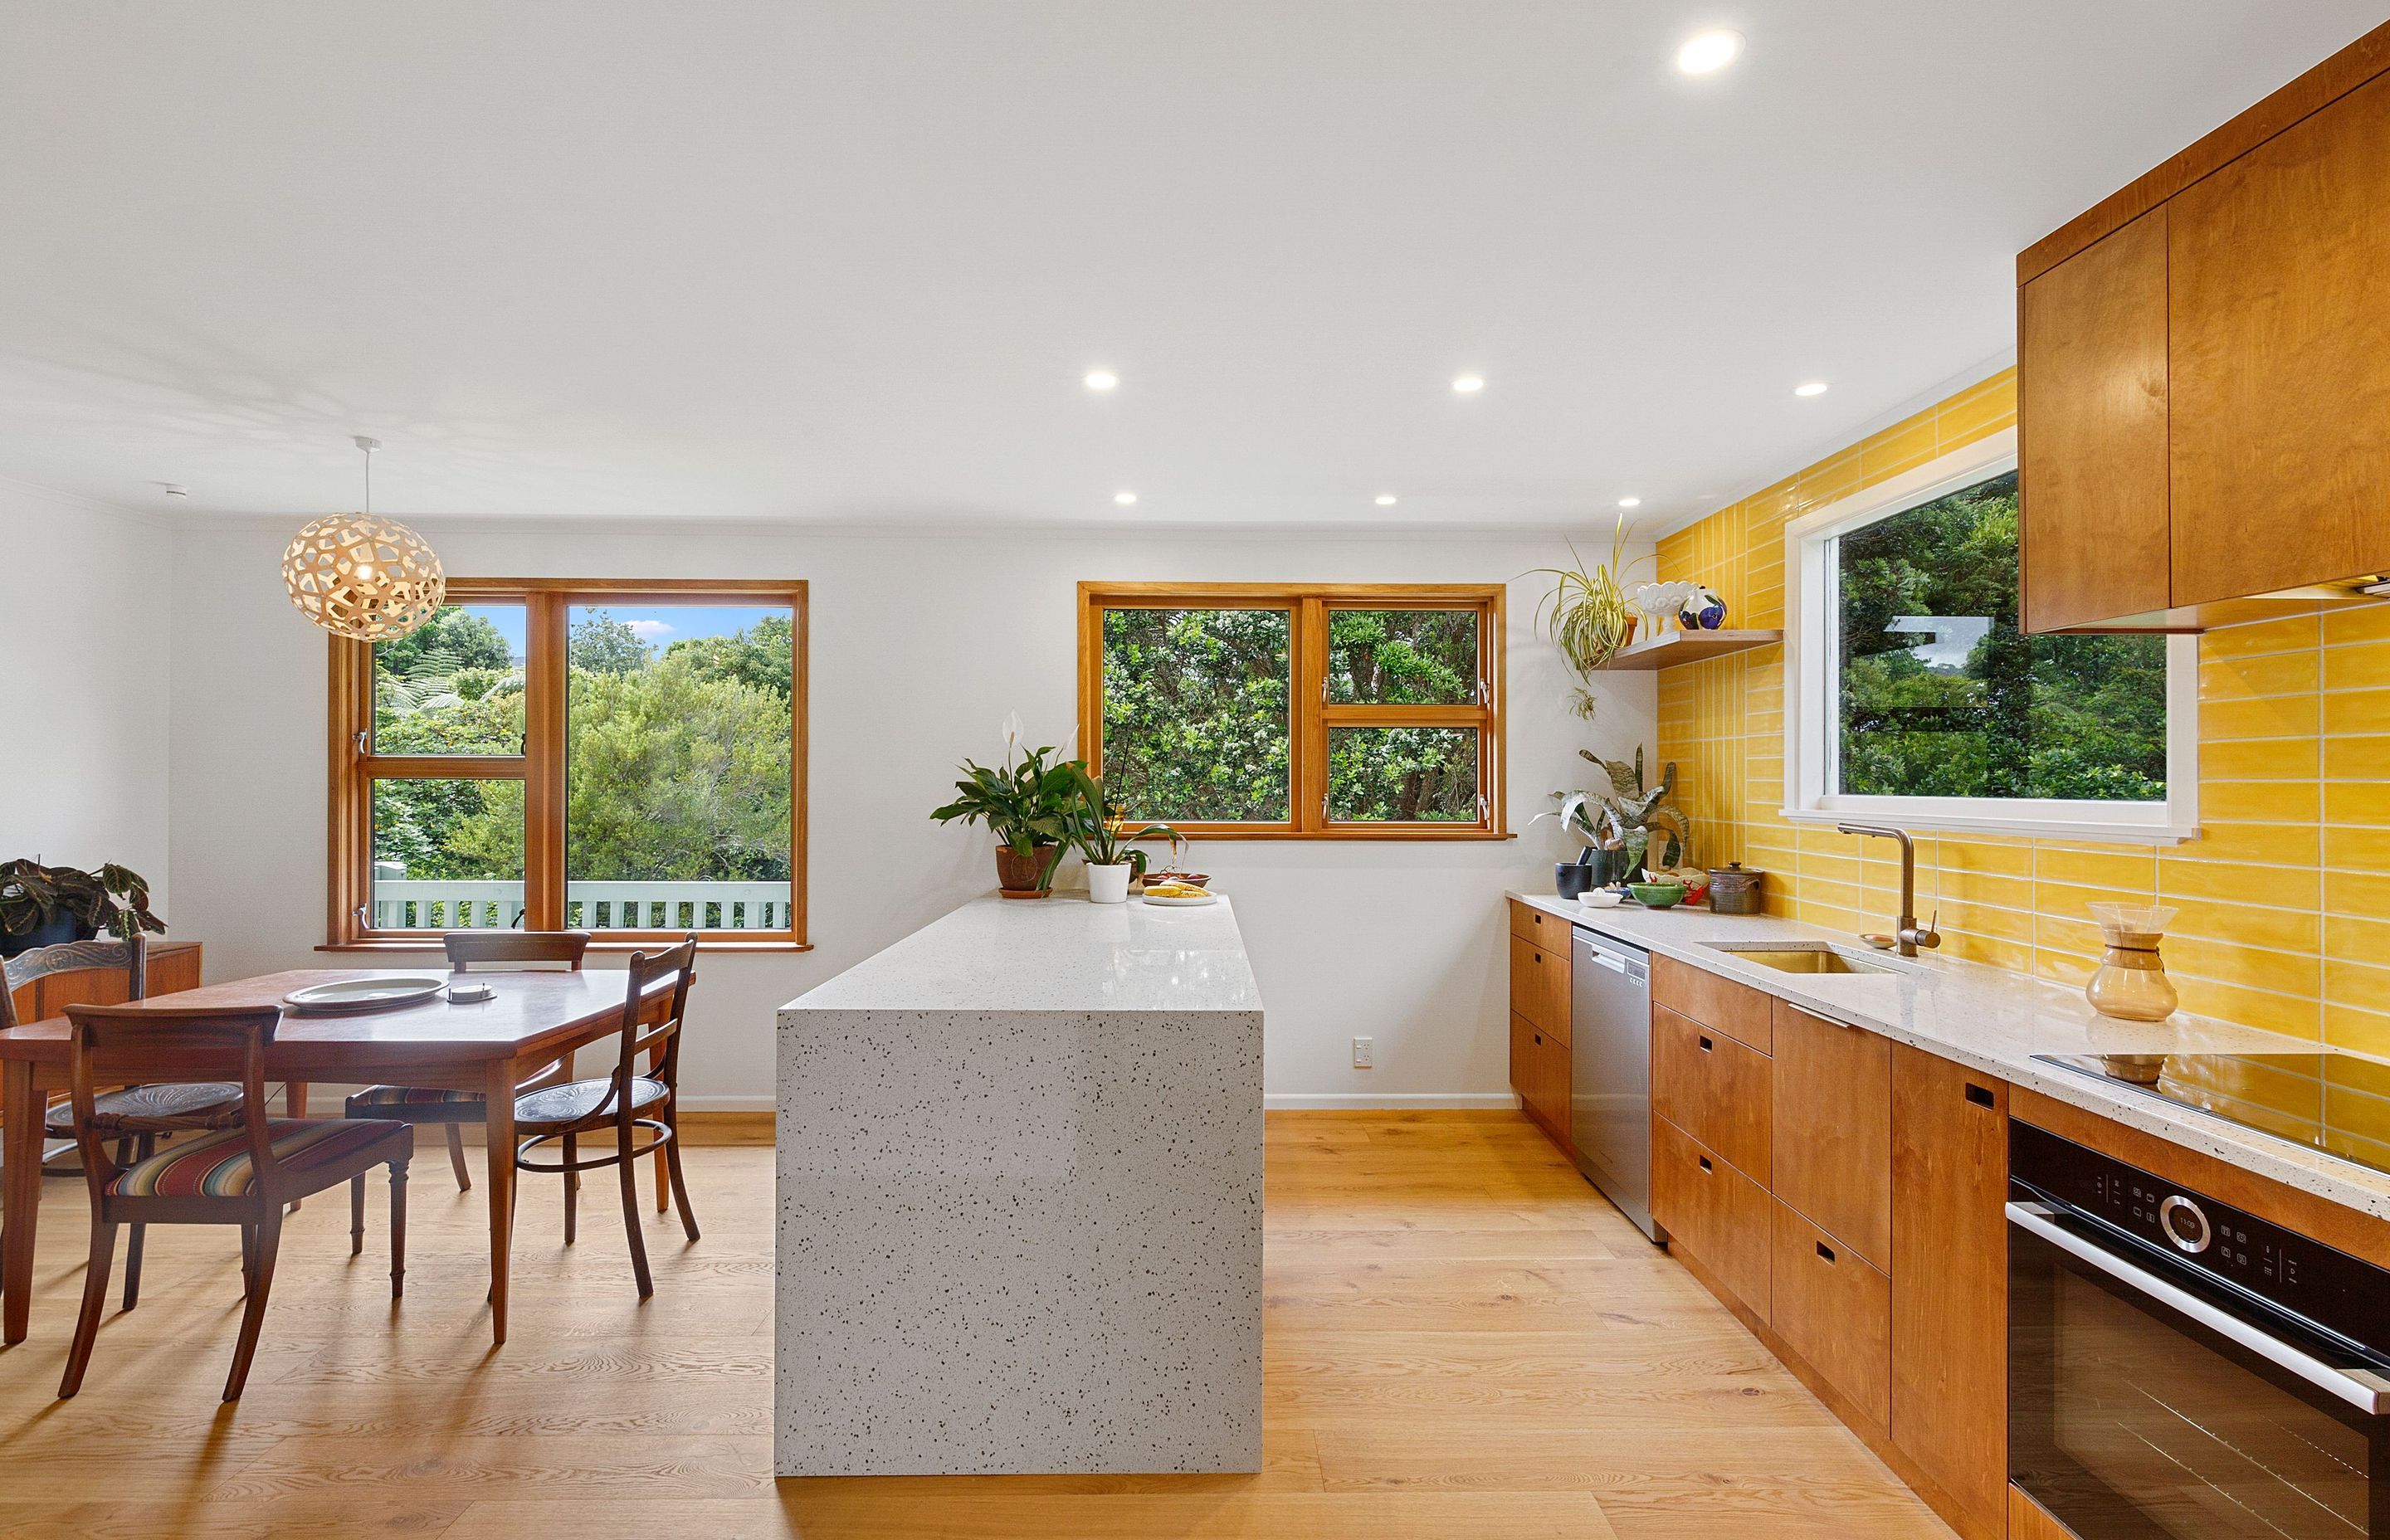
294, 1105
500, 1132
20, 1164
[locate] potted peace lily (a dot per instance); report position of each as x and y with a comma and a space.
1100, 829
1028, 805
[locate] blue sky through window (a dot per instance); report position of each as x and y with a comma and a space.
659, 625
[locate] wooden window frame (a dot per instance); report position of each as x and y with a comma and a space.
541, 766
1308, 605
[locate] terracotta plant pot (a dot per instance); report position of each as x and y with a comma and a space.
1022, 875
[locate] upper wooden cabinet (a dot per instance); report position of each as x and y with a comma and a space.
2280, 308
2204, 372
2091, 383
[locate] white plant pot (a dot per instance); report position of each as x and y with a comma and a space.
1107, 884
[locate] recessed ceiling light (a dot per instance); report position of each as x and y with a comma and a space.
1709, 52
1101, 379
1125, 498
1815, 388
1630, 502
1385, 499
1469, 384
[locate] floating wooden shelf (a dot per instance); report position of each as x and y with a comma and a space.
1690, 646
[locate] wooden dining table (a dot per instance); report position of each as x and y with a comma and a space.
530, 1019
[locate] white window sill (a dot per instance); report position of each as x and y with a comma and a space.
2087, 830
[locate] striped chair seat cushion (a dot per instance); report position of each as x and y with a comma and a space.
410, 1096
219, 1166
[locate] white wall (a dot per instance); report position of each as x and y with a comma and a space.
920, 645
85, 597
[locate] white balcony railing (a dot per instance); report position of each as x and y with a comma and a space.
407, 904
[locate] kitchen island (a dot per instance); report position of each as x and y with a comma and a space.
1020, 1205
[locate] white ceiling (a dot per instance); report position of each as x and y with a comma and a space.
848, 261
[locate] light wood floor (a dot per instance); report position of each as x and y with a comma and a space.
1463, 1340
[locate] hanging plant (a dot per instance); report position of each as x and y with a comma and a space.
1588, 616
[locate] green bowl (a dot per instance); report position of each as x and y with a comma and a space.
1657, 895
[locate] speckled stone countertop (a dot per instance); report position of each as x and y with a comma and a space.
1055, 954
1019, 1200
1994, 1020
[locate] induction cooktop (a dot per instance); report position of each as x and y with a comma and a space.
2335, 1102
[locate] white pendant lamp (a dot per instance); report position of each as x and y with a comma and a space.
356, 575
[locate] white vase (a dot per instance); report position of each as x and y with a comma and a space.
1107, 884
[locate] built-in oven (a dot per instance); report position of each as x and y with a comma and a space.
2180, 1368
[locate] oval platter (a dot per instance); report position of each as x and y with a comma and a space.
388, 992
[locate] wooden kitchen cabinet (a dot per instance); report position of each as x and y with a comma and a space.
2203, 371
1834, 1309
1539, 1072
1539, 1018
2091, 386
1717, 1214
2280, 371
1714, 1088
1539, 986
1745, 1014
1833, 1108
1949, 1277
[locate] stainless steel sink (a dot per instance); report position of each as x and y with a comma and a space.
1806, 959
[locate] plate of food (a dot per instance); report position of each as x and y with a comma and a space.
1179, 893
387, 992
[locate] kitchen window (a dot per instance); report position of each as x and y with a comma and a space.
625, 757
1913, 697
1312, 712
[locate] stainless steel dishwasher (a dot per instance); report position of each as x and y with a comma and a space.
1610, 1072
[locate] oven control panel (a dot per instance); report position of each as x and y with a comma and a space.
2346, 1296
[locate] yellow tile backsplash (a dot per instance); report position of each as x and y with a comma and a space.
2285, 896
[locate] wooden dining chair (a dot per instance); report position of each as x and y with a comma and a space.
624, 1103
241, 1170
512, 950
131, 958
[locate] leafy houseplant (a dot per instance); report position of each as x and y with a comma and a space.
1628, 817
1100, 829
1028, 803
1589, 622
41, 906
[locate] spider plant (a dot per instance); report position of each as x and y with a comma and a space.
1589, 622
1099, 827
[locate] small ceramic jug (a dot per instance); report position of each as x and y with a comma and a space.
2131, 983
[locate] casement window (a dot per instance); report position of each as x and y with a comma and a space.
1911, 696
625, 757
1281, 711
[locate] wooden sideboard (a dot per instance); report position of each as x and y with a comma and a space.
173, 965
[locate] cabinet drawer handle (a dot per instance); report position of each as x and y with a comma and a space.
1980, 1095
1540, 1040
1705, 1045
1705, 1163
1825, 1252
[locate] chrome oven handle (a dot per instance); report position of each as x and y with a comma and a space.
2369, 1394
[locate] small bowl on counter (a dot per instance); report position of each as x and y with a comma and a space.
1657, 895
1600, 898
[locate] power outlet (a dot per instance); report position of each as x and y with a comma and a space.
1365, 1052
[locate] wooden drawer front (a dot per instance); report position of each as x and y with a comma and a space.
1742, 1013
1714, 1212
1835, 1311
1539, 1072
1832, 1152
1548, 931
1714, 1089
1539, 984
1949, 1258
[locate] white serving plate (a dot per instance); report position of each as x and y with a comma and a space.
1182, 903
383, 993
